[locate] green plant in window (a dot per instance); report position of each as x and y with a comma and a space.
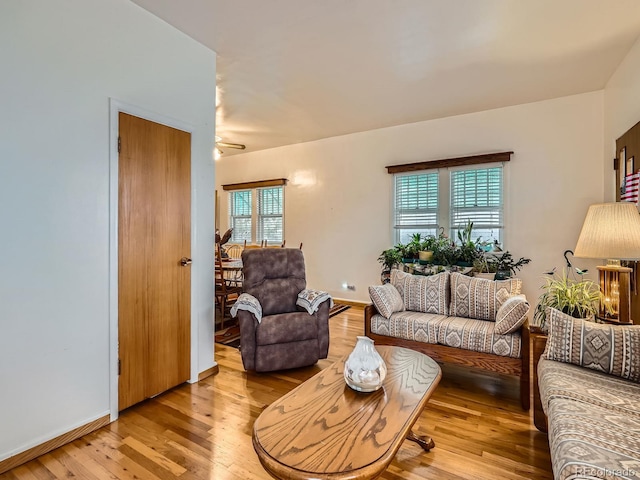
414, 246
444, 250
468, 250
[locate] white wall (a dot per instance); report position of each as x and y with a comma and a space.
61, 63
338, 200
622, 110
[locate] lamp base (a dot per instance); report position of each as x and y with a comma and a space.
615, 290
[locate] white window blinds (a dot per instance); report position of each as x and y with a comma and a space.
240, 206
416, 205
476, 196
270, 209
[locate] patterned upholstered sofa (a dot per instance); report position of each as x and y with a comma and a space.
457, 319
588, 380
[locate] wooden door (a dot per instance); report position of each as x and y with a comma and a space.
154, 233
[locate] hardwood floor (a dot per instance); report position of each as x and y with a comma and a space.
203, 431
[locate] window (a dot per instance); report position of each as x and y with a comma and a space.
416, 205
448, 198
476, 196
240, 212
270, 215
257, 214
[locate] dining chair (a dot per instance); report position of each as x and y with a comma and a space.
226, 291
234, 250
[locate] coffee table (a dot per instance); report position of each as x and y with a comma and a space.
323, 429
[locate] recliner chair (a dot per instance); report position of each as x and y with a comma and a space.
287, 336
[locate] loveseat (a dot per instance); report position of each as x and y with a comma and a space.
588, 384
455, 318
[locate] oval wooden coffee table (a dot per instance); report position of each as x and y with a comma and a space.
324, 430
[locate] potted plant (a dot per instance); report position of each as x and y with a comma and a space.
578, 298
415, 245
499, 265
485, 267
426, 248
389, 258
444, 251
405, 252
506, 266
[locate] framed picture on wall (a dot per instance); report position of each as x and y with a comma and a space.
622, 168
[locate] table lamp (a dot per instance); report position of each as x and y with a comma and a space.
612, 231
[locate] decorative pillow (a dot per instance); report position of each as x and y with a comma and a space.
249, 303
480, 298
511, 315
310, 300
423, 294
386, 299
611, 349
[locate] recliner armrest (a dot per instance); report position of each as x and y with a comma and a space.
248, 303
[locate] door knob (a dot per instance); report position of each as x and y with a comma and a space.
184, 261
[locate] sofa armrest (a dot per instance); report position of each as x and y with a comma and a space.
322, 319
369, 312
248, 324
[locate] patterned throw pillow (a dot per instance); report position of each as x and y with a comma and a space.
511, 315
386, 299
480, 298
611, 349
423, 294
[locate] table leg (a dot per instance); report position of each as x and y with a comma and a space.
425, 442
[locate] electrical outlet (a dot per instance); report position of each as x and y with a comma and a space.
351, 287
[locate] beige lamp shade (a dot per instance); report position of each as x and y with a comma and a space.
610, 230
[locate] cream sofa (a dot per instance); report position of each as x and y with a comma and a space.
588, 381
453, 318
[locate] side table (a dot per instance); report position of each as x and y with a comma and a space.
538, 344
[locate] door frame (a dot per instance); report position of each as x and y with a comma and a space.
115, 107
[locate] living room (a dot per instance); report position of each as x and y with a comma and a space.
68, 59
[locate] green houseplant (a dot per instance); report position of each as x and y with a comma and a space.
502, 265
578, 298
388, 259
427, 247
415, 245
506, 266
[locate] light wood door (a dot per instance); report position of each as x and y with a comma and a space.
154, 288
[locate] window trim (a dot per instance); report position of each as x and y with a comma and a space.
498, 157
255, 184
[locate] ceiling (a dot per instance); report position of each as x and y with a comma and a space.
291, 71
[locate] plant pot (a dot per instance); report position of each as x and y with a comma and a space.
488, 276
425, 255
407, 260
503, 274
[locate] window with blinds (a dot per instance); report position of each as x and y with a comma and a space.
476, 196
270, 209
416, 205
240, 215
449, 198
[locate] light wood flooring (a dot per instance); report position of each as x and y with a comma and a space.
203, 431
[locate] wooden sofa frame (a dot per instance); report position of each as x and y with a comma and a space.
485, 361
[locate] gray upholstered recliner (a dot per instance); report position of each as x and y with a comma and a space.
287, 336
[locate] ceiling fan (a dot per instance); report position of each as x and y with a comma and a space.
219, 144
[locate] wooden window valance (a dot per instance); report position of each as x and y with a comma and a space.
451, 162
257, 184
